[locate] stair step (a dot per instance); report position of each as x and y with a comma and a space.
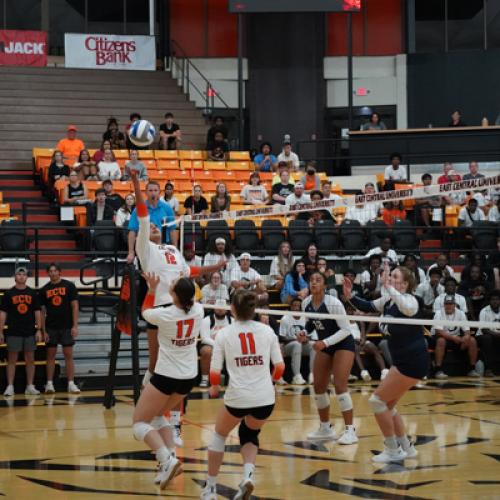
61, 258
430, 243
55, 244
47, 218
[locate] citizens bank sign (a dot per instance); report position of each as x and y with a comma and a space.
23, 48
110, 51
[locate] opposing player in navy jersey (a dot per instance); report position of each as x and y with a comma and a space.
335, 350
409, 354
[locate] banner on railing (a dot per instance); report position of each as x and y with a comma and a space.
124, 313
23, 48
110, 51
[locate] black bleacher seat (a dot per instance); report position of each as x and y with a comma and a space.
376, 231
326, 236
273, 235
12, 236
300, 235
217, 229
246, 237
353, 237
194, 232
405, 236
105, 236
485, 234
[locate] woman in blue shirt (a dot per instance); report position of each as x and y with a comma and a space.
265, 161
295, 284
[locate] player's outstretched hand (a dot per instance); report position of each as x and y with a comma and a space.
347, 288
214, 390
319, 345
152, 280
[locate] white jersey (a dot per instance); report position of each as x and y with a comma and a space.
355, 331
248, 348
489, 315
209, 332
456, 331
291, 326
177, 335
459, 301
164, 260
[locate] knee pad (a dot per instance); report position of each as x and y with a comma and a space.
394, 412
160, 422
377, 405
248, 435
322, 401
218, 443
345, 401
141, 429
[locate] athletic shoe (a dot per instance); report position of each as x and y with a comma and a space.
245, 489
204, 383
176, 435
365, 375
384, 373
473, 374
281, 381
310, 379
31, 390
440, 375
73, 388
389, 455
489, 373
322, 434
298, 380
168, 471
411, 452
479, 367
352, 378
49, 388
158, 477
208, 493
348, 436
9, 391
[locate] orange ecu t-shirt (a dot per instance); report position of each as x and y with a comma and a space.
70, 148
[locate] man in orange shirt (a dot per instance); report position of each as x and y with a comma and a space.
70, 147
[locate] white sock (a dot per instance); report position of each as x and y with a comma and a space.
404, 442
349, 427
204, 377
172, 452
248, 470
324, 425
391, 443
162, 454
211, 480
175, 417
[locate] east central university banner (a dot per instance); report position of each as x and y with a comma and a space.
110, 51
23, 48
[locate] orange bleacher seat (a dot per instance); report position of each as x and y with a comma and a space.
166, 154
1, 197
215, 165
167, 164
240, 165
192, 155
452, 215
92, 152
123, 187
239, 155
223, 175
146, 154
183, 186
207, 185
121, 153
80, 216
191, 165
233, 186
59, 187
4, 210
409, 203
121, 162
159, 175
266, 176
178, 174
150, 165
242, 175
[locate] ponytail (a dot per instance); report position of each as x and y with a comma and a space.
185, 290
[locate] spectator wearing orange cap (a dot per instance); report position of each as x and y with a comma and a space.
70, 146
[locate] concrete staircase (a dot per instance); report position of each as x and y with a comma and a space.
38, 103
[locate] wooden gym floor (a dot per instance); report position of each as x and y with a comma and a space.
69, 447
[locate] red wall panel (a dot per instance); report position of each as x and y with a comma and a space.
187, 26
222, 30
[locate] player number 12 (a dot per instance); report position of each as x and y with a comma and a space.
247, 343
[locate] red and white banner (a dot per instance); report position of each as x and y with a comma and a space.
23, 48
110, 51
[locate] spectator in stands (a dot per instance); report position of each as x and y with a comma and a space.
456, 120
109, 169
329, 274
58, 170
393, 211
295, 285
385, 251
289, 157
216, 320
265, 161
452, 338
59, 320
311, 180
190, 256
214, 290
221, 200
298, 197
326, 189
442, 264
254, 193
75, 192
488, 339
395, 172
430, 208
133, 118
281, 265
311, 259
494, 213
113, 135
160, 213
245, 277
374, 123
370, 278
448, 175
170, 133
20, 312
282, 189
93, 173
362, 213
411, 262
429, 291
125, 211
196, 203
470, 213
282, 167
135, 164
217, 154
473, 172
170, 198
296, 342
478, 259
99, 154
219, 143
114, 200
218, 248
217, 126
83, 165
475, 289
450, 290
314, 216
100, 210
350, 275
70, 146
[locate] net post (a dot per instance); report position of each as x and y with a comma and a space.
130, 269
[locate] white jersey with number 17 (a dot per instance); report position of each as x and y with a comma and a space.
248, 347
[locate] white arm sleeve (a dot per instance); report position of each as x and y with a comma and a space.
217, 354
345, 328
142, 242
206, 339
276, 356
406, 303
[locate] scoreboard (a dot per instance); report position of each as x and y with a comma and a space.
243, 6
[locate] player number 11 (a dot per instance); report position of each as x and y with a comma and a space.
247, 343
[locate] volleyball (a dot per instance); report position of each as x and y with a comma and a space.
142, 133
